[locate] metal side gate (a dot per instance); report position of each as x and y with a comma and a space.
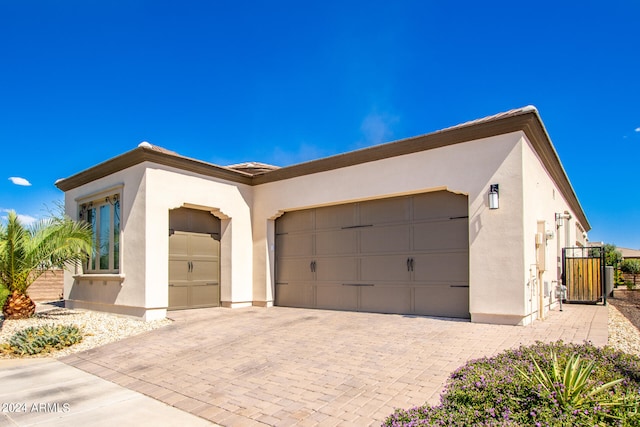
583, 274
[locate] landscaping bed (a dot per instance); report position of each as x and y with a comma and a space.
552, 384
628, 303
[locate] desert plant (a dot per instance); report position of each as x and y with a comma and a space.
570, 386
39, 339
27, 252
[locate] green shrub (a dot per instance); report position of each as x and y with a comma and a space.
619, 278
43, 339
503, 390
4, 293
629, 285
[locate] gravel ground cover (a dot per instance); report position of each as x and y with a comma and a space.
98, 328
102, 328
624, 321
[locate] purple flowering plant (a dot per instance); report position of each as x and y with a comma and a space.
503, 390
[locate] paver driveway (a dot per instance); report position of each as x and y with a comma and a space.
286, 366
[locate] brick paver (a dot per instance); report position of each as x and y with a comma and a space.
286, 366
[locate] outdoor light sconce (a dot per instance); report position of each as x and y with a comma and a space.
494, 198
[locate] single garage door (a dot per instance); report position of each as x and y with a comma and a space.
407, 255
194, 259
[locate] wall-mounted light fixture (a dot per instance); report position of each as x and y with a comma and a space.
494, 197
560, 217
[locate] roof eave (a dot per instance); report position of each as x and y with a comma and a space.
144, 154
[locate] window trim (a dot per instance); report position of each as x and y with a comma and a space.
95, 201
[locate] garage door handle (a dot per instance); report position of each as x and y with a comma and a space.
409, 264
312, 266
171, 284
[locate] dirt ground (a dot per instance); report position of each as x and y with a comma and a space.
628, 303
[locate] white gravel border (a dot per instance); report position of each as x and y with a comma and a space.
98, 328
623, 335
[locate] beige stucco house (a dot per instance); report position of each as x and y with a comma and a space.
407, 227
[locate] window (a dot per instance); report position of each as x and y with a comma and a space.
104, 217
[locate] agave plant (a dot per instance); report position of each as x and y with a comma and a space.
571, 386
27, 252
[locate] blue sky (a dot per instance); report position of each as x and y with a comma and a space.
283, 82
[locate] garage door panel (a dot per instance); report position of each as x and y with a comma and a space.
337, 297
336, 242
205, 295
203, 245
385, 239
194, 261
384, 268
295, 221
441, 235
294, 244
178, 270
294, 295
178, 245
178, 296
380, 299
396, 255
443, 300
206, 270
441, 267
337, 269
439, 205
336, 217
294, 269
384, 211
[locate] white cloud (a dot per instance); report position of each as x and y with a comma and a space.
19, 181
24, 219
637, 129
377, 128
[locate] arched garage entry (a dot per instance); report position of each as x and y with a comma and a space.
194, 259
407, 255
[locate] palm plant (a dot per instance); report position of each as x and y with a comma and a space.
27, 252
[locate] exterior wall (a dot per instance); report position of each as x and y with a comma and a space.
468, 168
507, 276
541, 202
148, 193
231, 202
123, 293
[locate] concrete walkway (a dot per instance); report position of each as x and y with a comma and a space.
47, 392
285, 366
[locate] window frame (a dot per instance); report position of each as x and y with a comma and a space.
90, 210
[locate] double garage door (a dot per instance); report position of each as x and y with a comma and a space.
407, 255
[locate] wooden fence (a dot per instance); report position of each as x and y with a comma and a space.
583, 274
48, 287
